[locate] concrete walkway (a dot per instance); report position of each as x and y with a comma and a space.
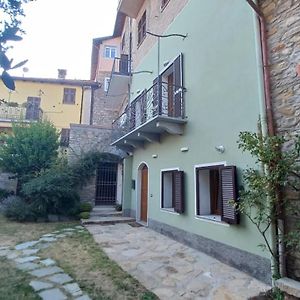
50, 282
172, 270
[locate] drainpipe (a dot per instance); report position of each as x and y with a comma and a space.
279, 227
81, 104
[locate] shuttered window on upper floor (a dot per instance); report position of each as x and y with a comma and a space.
142, 28
69, 96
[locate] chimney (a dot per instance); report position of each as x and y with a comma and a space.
62, 73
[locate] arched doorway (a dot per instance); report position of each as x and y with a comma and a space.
143, 193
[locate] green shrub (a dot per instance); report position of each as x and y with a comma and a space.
118, 207
18, 210
86, 207
4, 193
84, 215
52, 192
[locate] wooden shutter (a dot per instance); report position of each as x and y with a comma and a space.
178, 177
229, 193
178, 89
33, 108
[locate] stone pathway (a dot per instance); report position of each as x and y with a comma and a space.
170, 269
50, 281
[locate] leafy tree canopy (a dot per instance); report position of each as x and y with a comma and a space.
30, 148
11, 13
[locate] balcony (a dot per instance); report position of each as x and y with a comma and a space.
120, 76
19, 113
158, 110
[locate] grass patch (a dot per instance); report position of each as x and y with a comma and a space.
12, 232
14, 284
101, 278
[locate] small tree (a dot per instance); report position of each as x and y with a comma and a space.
29, 149
264, 200
10, 30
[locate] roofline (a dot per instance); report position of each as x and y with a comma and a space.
75, 82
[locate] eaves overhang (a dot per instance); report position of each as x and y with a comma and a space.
130, 7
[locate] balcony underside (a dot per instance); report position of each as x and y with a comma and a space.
118, 85
150, 132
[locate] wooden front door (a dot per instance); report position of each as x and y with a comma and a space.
144, 193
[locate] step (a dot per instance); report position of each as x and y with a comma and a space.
107, 220
107, 213
104, 208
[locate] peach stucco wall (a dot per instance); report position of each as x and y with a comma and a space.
105, 64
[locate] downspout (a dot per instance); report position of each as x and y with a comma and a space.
81, 104
279, 227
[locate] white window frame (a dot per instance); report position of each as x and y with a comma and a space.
106, 83
213, 218
168, 210
110, 48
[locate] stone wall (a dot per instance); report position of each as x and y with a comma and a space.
283, 21
104, 109
85, 138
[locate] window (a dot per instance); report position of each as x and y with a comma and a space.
164, 4
69, 96
123, 41
215, 189
142, 28
106, 83
65, 137
172, 190
110, 52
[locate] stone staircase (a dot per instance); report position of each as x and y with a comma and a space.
106, 215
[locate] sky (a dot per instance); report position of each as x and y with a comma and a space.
59, 35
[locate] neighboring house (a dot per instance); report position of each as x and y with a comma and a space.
61, 101
106, 187
190, 93
283, 23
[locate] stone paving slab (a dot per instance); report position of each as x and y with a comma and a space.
53, 294
61, 278
73, 289
85, 297
170, 269
48, 262
46, 271
27, 252
26, 245
25, 259
29, 266
40, 285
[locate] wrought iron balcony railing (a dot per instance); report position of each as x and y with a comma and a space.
19, 113
161, 99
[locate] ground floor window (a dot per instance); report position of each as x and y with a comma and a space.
215, 191
172, 190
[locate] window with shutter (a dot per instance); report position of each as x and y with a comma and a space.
215, 191
69, 96
172, 190
229, 194
142, 28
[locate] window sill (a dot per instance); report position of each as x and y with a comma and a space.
214, 219
170, 211
69, 103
